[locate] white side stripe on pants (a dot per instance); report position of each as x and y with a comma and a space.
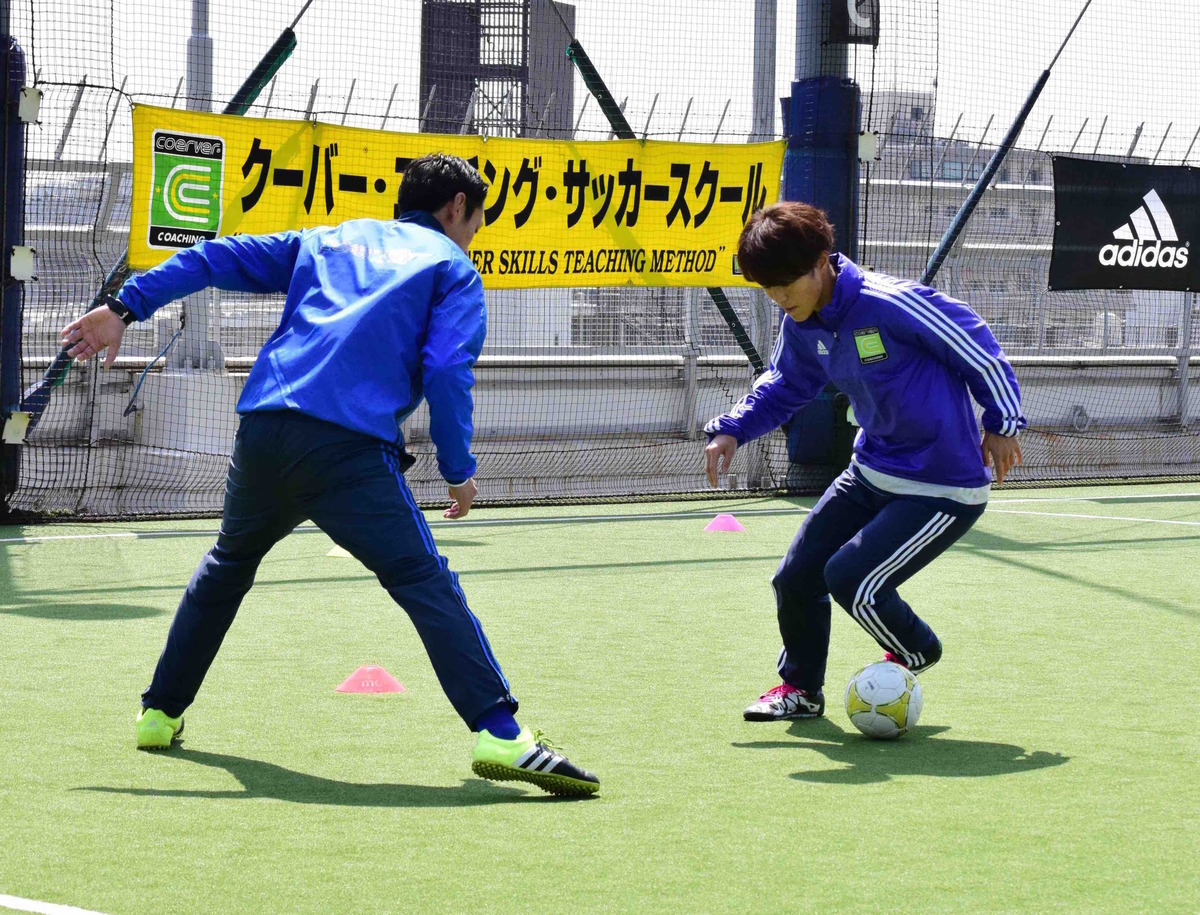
864, 600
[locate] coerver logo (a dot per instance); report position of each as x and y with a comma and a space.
1148, 228
870, 346
185, 192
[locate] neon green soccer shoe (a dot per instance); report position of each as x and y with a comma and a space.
531, 758
155, 731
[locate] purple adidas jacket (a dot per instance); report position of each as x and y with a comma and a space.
910, 359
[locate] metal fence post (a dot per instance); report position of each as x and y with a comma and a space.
690, 363
1185, 354
1043, 304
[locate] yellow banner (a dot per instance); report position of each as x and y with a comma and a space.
559, 213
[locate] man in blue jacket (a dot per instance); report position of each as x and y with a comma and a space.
378, 314
910, 359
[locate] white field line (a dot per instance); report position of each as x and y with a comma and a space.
86, 536
470, 522
1145, 498
1014, 511
46, 908
993, 508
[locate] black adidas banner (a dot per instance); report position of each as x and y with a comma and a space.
1124, 226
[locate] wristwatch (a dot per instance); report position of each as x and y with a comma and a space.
119, 308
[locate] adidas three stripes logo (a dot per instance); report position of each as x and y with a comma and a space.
1140, 222
539, 759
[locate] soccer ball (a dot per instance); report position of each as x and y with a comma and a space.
883, 700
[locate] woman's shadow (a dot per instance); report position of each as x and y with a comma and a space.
920, 752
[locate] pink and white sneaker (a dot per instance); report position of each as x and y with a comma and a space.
785, 701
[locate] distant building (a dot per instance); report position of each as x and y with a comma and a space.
497, 67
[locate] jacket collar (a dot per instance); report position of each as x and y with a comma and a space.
422, 218
845, 291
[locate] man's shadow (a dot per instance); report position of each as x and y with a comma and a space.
920, 752
267, 780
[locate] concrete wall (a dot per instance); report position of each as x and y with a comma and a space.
558, 428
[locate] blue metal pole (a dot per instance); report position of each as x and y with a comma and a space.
14, 229
12, 161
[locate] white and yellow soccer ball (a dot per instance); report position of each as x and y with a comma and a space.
883, 700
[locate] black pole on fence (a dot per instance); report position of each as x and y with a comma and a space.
620, 127
262, 74
968, 207
12, 228
37, 398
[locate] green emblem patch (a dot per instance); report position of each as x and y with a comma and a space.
185, 195
870, 345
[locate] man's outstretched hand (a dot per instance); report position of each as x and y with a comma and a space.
99, 329
718, 455
1001, 452
463, 495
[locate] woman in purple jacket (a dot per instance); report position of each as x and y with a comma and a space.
910, 359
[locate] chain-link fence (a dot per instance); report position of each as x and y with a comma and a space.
601, 392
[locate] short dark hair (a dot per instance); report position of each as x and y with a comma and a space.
432, 181
783, 242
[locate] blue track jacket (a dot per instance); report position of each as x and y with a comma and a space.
906, 355
377, 315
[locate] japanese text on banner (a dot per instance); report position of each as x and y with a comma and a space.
558, 213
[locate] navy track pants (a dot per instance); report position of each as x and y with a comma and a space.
859, 544
287, 468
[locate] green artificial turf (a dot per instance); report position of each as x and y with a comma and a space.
1056, 765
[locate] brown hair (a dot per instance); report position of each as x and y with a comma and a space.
783, 242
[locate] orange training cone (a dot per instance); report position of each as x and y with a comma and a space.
371, 680
725, 523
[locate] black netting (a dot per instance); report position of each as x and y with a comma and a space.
601, 392
1104, 374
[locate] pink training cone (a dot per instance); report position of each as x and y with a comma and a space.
371, 680
725, 523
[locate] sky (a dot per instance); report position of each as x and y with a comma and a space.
1130, 63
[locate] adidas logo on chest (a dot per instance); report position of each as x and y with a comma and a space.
1148, 228
822, 349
